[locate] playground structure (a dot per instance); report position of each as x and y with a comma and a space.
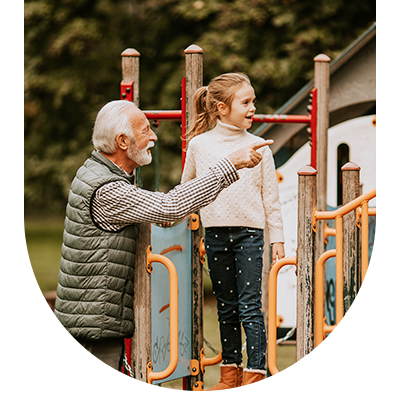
155, 242
351, 137
350, 272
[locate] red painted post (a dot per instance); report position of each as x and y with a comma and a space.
126, 91
183, 120
128, 350
313, 127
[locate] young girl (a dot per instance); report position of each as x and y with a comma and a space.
234, 223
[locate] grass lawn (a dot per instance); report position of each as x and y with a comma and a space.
42, 249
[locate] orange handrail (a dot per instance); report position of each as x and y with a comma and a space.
328, 232
360, 202
272, 291
202, 250
204, 362
320, 330
173, 317
328, 328
318, 215
371, 212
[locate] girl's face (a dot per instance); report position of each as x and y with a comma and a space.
242, 108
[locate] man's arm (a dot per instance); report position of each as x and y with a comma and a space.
118, 204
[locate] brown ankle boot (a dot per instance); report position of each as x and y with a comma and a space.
230, 374
253, 375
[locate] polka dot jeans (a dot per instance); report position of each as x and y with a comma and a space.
234, 257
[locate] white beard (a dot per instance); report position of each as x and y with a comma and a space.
140, 157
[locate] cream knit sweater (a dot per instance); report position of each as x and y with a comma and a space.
253, 200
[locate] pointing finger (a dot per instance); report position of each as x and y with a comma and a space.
262, 144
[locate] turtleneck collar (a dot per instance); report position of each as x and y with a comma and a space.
230, 131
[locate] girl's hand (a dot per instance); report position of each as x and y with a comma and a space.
278, 252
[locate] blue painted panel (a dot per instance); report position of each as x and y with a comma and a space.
330, 294
162, 239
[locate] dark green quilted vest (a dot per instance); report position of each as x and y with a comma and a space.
95, 283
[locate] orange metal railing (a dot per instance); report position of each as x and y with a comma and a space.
272, 316
361, 205
173, 317
204, 362
321, 328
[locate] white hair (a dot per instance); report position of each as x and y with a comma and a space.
111, 120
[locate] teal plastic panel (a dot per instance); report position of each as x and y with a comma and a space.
163, 239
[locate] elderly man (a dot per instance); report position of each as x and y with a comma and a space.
95, 288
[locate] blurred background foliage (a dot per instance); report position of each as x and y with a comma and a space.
73, 67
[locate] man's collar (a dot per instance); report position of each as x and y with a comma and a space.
97, 155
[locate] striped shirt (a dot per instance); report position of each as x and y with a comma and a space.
118, 204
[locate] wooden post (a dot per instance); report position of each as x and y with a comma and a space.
322, 84
321, 71
141, 340
197, 304
305, 261
130, 71
194, 79
351, 242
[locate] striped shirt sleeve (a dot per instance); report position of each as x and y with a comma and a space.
118, 204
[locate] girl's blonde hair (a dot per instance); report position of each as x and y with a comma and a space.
220, 89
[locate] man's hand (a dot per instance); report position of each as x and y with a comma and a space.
248, 157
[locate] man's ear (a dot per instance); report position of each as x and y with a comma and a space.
122, 141
222, 108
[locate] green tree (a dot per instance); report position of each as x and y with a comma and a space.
73, 67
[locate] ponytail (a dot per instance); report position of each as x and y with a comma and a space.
204, 117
